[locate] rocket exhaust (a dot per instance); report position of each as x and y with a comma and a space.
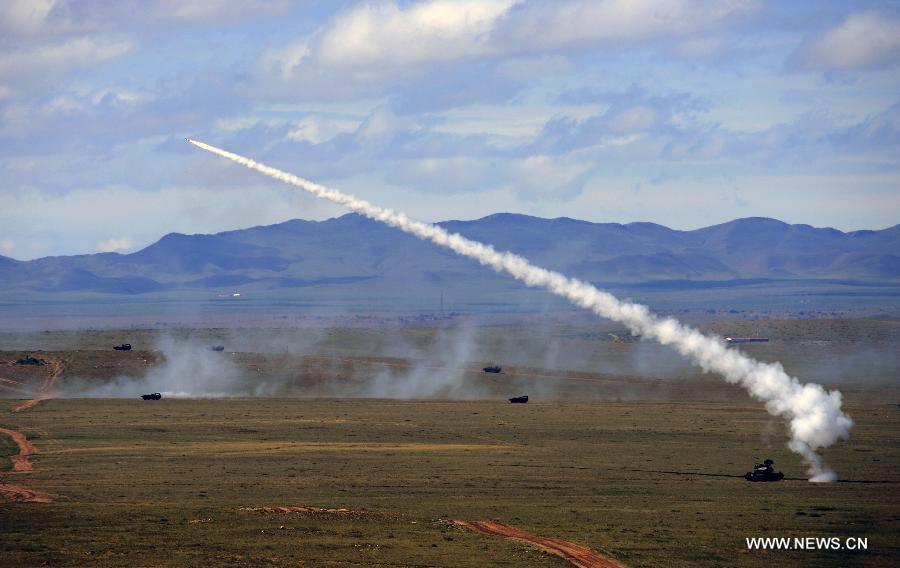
814, 415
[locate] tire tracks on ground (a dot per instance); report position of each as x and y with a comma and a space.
57, 368
22, 464
576, 554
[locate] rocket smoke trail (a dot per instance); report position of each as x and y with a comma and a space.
813, 414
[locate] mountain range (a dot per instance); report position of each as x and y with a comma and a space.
354, 253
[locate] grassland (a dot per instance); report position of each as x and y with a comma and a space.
165, 483
622, 449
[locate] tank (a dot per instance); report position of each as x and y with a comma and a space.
151, 396
492, 369
764, 472
30, 360
123, 347
519, 399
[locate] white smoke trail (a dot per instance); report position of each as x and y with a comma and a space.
814, 415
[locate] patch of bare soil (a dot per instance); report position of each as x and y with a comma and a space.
20, 461
576, 554
23, 494
308, 511
21, 464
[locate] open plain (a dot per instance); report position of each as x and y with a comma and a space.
642, 466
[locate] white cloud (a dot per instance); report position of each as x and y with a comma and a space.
381, 126
77, 52
439, 30
23, 118
548, 175
316, 129
213, 11
7, 246
26, 17
282, 61
375, 38
573, 23
863, 40
115, 244
312, 128
48, 17
83, 220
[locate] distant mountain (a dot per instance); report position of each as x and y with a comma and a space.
354, 253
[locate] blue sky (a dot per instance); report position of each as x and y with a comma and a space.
685, 113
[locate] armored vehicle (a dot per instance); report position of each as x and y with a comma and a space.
30, 360
764, 472
519, 399
152, 396
492, 369
123, 347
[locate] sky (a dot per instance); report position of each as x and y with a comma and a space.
680, 112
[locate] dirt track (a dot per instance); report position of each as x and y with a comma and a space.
295, 509
20, 461
23, 494
21, 464
57, 368
578, 555
307, 511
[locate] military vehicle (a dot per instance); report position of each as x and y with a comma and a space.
151, 396
764, 472
519, 399
216, 348
30, 360
123, 347
731, 340
492, 369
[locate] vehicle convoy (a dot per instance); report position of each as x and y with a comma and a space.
492, 369
519, 399
764, 472
123, 347
151, 396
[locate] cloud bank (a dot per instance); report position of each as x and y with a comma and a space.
608, 110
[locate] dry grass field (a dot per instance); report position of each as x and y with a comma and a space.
644, 469
652, 484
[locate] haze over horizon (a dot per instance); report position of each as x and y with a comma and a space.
679, 112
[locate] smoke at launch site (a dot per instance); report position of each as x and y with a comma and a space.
188, 369
814, 415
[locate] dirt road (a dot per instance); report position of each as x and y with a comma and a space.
23, 494
21, 464
578, 555
20, 461
26, 405
294, 509
56, 368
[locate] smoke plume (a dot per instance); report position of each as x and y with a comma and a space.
189, 370
814, 415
